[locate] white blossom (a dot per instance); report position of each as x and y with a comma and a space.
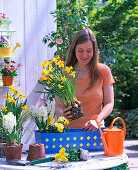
42, 112
9, 121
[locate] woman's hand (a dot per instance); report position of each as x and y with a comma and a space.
67, 113
90, 126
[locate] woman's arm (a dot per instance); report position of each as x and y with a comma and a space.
108, 102
108, 93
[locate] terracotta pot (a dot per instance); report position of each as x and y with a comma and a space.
36, 151
7, 80
13, 152
2, 146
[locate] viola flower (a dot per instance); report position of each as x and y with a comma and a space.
59, 41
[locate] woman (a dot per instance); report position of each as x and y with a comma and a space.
94, 82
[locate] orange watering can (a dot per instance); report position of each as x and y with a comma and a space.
112, 137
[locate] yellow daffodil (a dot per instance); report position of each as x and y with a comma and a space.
68, 69
73, 74
60, 64
4, 109
41, 79
46, 72
56, 59
11, 99
15, 91
42, 74
50, 68
25, 107
45, 64
22, 96
60, 86
11, 87
63, 79
48, 82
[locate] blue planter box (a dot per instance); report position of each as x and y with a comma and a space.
76, 138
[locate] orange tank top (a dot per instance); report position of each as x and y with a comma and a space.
91, 99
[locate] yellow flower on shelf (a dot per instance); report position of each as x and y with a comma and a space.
22, 96
14, 107
15, 91
4, 109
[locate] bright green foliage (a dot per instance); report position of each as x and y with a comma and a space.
130, 118
114, 24
73, 154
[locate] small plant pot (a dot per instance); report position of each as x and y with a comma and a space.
7, 80
36, 151
13, 152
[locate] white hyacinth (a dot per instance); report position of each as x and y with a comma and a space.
9, 121
42, 112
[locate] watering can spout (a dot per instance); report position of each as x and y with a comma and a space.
94, 117
17, 45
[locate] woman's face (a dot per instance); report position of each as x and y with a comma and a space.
84, 53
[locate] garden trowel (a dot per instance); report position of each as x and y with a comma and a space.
24, 162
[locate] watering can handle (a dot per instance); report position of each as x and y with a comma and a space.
122, 122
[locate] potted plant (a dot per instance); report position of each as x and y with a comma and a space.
5, 48
8, 71
12, 116
61, 81
55, 134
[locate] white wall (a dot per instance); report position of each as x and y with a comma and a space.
31, 19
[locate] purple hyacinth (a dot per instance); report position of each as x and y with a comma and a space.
4, 39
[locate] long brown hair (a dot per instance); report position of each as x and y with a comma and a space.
81, 37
